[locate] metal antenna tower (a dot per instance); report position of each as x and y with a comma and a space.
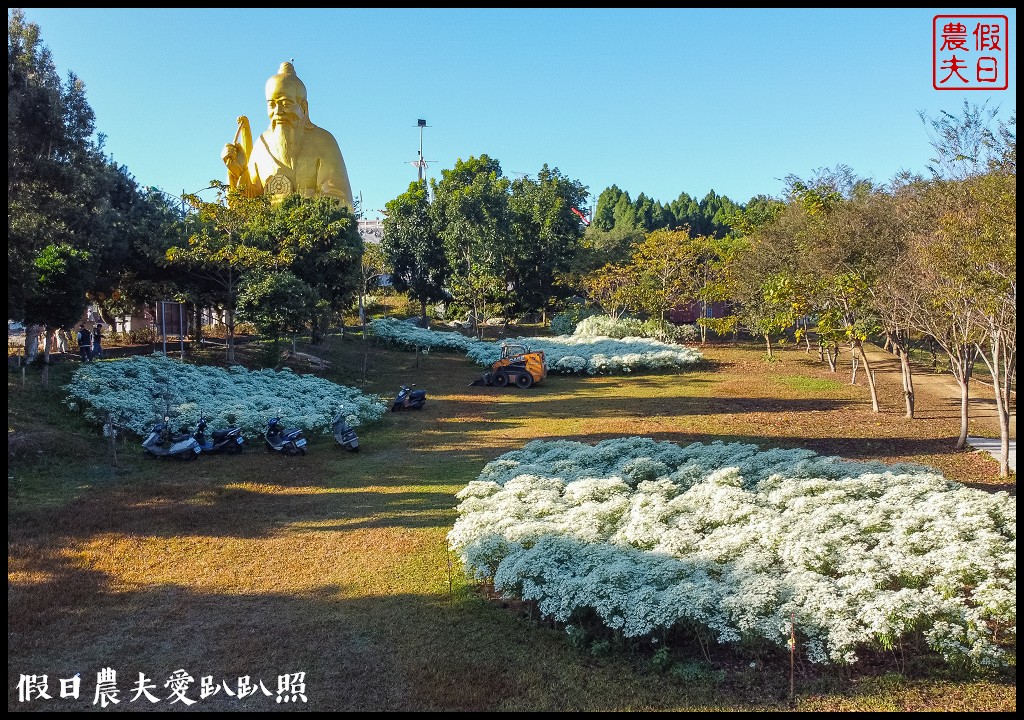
420, 164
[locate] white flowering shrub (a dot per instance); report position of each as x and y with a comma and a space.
136, 392
738, 540
606, 326
564, 323
407, 335
597, 355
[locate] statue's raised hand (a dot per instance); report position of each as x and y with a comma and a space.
234, 158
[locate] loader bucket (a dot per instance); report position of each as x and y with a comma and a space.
482, 380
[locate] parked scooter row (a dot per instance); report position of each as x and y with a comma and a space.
276, 437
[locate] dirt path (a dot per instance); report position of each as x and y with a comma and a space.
938, 395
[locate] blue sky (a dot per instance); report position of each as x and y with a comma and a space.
654, 101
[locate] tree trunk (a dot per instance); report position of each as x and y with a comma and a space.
1001, 367
768, 344
832, 353
47, 344
423, 313
31, 342
198, 319
230, 336
870, 376
902, 348
961, 442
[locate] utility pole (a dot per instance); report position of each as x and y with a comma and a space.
419, 175
420, 164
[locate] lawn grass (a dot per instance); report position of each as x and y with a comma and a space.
336, 565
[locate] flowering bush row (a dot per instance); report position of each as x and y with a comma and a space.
137, 391
632, 327
403, 334
738, 540
595, 355
565, 354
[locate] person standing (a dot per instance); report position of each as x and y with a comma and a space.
62, 339
97, 341
84, 342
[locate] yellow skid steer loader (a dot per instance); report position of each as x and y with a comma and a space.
517, 366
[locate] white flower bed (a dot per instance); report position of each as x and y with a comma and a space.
650, 534
132, 390
607, 326
408, 335
595, 355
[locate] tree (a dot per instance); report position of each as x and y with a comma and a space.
276, 302
713, 279
471, 214
611, 287
662, 266
372, 269
62, 275
317, 239
49, 159
227, 241
547, 235
972, 255
982, 222
413, 250
62, 191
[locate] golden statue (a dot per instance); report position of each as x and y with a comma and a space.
293, 154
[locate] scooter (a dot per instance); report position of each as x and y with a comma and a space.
344, 433
409, 399
228, 440
160, 443
287, 441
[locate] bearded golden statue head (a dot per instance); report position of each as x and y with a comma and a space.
292, 155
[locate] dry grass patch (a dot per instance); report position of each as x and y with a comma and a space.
336, 565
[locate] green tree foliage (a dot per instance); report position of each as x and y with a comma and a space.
61, 188
711, 216
61, 278
603, 247
662, 267
315, 240
547, 236
318, 240
49, 160
611, 288
759, 210
412, 249
471, 213
225, 243
604, 213
980, 227
276, 302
